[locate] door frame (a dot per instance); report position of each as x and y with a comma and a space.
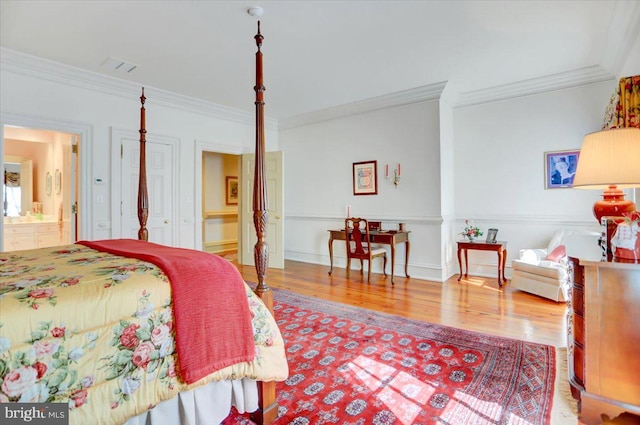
84, 131
202, 146
116, 136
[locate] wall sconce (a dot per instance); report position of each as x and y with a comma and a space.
395, 178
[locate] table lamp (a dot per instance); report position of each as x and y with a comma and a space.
610, 160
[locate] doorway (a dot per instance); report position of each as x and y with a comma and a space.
220, 204
40, 190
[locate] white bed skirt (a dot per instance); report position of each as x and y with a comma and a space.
205, 405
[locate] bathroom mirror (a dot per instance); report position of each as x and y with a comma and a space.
18, 186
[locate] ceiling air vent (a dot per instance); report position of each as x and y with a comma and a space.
119, 65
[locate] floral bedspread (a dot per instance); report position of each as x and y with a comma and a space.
95, 330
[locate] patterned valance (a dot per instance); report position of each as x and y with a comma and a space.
624, 107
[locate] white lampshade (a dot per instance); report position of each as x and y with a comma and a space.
609, 157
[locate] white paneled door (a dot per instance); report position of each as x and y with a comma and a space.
159, 183
275, 225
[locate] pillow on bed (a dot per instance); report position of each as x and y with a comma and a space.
558, 254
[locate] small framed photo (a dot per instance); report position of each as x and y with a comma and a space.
560, 168
232, 191
365, 178
492, 234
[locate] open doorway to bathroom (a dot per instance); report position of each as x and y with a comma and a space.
40, 190
220, 204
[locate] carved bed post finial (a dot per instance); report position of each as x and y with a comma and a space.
143, 197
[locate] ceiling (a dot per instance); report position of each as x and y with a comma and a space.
321, 54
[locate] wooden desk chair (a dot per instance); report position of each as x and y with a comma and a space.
359, 245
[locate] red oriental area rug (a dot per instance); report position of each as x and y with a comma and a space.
355, 366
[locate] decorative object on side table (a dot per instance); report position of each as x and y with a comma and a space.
492, 234
625, 243
471, 231
609, 160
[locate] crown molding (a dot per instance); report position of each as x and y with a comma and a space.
563, 80
33, 66
405, 97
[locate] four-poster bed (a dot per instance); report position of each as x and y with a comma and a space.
96, 325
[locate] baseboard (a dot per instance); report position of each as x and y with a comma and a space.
221, 246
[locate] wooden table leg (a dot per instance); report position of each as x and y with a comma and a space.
459, 265
393, 258
406, 259
466, 263
500, 264
331, 253
504, 263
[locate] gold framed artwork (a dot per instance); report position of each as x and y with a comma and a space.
232, 190
365, 178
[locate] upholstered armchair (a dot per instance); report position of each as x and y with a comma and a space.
544, 271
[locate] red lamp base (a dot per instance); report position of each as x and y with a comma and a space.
612, 204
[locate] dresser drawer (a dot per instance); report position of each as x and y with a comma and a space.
578, 274
19, 229
49, 239
578, 330
577, 300
578, 365
47, 227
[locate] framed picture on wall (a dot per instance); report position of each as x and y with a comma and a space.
560, 168
232, 190
365, 178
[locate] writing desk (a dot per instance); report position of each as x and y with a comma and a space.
386, 237
499, 246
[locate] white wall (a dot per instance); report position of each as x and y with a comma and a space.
64, 96
319, 184
484, 162
499, 165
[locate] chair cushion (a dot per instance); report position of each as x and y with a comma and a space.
378, 251
558, 254
546, 268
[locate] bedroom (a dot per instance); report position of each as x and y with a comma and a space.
454, 159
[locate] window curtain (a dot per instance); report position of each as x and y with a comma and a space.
624, 107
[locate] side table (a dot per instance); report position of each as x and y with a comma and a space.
499, 246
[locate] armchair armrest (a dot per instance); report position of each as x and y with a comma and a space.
532, 256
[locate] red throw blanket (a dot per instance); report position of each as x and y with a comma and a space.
212, 317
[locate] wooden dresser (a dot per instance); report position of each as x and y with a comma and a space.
603, 337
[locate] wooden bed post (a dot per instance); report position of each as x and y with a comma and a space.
268, 409
143, 197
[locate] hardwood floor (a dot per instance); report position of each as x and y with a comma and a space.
475, 304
